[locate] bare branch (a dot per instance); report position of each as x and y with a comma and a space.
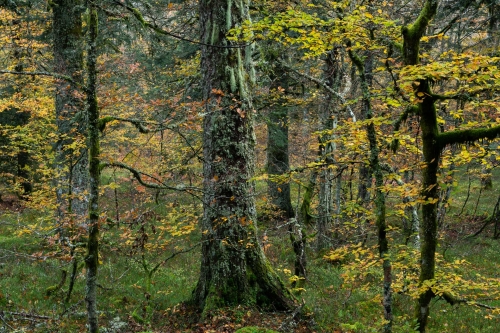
324, 86
189, 249
159, 185
161, 31
41, 73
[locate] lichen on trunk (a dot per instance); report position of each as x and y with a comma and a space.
71, 163
233, 267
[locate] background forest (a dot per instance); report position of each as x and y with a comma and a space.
236, 166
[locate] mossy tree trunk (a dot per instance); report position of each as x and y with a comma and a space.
433, 143
429, 127
92, 257
233, 267
71, 120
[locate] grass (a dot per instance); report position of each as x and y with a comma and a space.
27, 269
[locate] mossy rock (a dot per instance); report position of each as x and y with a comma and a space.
255, 329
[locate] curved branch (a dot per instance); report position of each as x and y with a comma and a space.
161, 31
138, 123
138, 175
42, 73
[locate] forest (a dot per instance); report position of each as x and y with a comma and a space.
249, 166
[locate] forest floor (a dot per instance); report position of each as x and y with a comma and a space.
342, 297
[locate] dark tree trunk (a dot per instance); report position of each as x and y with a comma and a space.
278, 164
233, 267
432, 152
92, 258
15, 117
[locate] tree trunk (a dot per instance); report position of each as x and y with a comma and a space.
92, 258
233, 267
328, 118
71, 120
431, 152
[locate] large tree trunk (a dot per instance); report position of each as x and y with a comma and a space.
71, 150
233, 268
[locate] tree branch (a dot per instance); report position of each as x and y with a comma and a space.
42, 73
452, 300
467, 136
462, 97
324, 86
138, 123
138, 175
161, 31
189, 249
411, 109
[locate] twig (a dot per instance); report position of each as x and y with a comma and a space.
102, 287
40, 73
176, 254
25, 315
4, 321
289, 323
468, 192
161, 31
71, 308
326, 87
137, 175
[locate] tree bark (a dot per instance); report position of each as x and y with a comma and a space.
92, 257
14, 117
328, 116
71, 151
233, 267
431, 152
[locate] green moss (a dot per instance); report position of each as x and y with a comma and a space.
467, 136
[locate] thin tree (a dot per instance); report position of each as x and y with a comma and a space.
92, 257
433, 142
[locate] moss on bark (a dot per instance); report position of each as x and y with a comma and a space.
233, 267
